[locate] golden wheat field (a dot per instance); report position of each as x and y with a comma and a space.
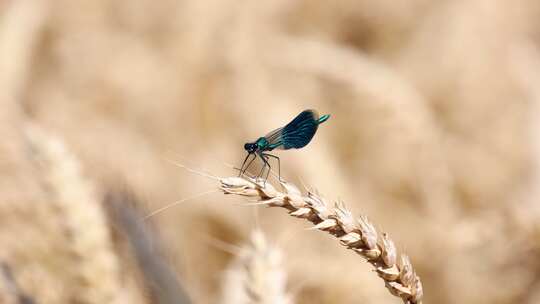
422, 187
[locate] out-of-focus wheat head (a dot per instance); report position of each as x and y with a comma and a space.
95, 274
256, 275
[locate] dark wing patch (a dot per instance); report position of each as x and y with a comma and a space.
299, 132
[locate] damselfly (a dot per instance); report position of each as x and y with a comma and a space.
295, 135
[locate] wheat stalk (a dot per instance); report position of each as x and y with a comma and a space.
161, 283
358, 235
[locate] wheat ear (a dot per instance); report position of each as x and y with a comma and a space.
358, 235
97, 278
256, 275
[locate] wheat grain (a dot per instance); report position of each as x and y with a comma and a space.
358, 235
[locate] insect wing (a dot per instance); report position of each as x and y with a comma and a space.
299, 132
274, 139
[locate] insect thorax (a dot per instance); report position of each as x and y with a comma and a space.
262, 143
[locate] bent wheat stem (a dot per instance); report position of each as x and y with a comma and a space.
358, 235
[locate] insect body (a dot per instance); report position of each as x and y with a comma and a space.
295, 135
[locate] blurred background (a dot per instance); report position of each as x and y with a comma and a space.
434, 135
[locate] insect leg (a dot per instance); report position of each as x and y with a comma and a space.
279, 164
249, 163
242, 168
269, 168
266, 163
263, 167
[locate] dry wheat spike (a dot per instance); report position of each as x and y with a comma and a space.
256, 275
355, 234
97, 278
